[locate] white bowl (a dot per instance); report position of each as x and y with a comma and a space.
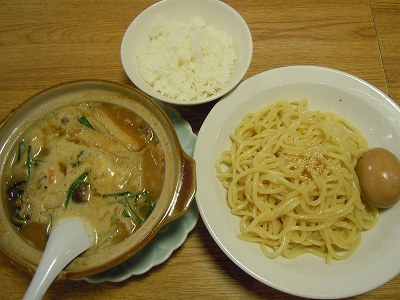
376, 260
214, 13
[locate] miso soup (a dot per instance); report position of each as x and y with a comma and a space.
95, 160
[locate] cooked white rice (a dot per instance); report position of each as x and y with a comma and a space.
187, 60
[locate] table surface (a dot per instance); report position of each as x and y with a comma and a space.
44, 43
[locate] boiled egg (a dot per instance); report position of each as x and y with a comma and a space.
378, 171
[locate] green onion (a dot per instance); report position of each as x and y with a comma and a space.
20, 218
151, 206
129, 210
126, 213
29, 161
21, 145
78, 157
132, 210
136, 196
121, 194
73, 186
82, 119
20, 193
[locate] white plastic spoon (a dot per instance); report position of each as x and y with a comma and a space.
67, 240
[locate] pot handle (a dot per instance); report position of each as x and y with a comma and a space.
185, 191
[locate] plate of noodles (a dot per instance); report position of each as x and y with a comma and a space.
277, 188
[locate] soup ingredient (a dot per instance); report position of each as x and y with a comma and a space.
187, 60
289, 175
378, 171
67, 161
81, 193
84, 121
136, 205
74, 189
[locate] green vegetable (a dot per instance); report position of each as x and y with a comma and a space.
78, 159
132, 210
73, 186
85, 122
121, 194
29, 161
20, 218
21, 145
130, 202
151, 206
126, 214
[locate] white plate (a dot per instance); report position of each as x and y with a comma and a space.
377, 259
171, 237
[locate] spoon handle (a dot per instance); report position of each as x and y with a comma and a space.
66, 241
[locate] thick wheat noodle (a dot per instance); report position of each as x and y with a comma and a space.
290, 177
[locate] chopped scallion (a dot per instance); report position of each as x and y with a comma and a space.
121, 194
78, 159
85, 122
21, 146
20, 218
129, 200
132, 209
29, 161
151, 206
126, 214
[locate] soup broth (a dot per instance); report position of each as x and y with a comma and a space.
94, 160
